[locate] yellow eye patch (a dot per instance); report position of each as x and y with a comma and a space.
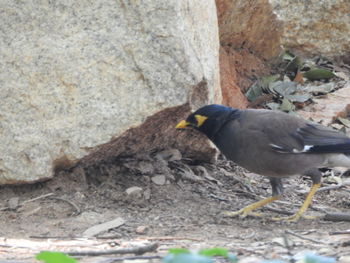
200, 120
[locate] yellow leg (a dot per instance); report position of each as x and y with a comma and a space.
304, 207
248, 209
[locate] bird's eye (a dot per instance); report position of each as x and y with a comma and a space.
200, 119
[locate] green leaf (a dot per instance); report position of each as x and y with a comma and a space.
318, 73
287, 56
261, 86
321, 89
54, 257
284, 88
254, 91
273, 105
218, 252
287, 105
177, 251
298, 97
212, 252
267, 81
295, 64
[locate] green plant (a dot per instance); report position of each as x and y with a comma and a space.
54, 257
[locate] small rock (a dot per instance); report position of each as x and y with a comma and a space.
170, 177
161, 167
13, 203
134, 191
344, 259
159, 179
97, 229
326, 250
170, 155
282, 242
145, 167
141, 230
147, 194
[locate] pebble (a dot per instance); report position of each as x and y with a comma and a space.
141, 230
344, 259
159, 179
170, 155
134, 191
13, 203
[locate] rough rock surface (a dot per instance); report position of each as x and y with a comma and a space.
249, 35
231, 93
315, 27
249, 25
76, 74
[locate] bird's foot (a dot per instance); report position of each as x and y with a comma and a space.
248, 209
242, 213
294, 218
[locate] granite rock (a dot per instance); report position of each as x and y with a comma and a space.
76, 74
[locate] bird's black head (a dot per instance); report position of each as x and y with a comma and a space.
208, 119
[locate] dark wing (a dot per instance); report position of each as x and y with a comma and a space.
317, 139
320, 139
286, 133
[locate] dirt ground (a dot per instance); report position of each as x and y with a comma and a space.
180, 207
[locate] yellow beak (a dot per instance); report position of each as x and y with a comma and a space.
182, 124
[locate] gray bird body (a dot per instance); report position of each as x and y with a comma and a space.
274, 143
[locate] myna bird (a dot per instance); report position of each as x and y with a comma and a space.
274, 144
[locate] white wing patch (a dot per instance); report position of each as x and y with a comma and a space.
304, 150
283, 150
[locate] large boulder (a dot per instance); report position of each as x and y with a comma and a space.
76, 74
315, 27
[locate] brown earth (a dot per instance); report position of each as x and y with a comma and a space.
186, 208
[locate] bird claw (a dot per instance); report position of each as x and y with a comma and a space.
294, 218
242, 213
289, 219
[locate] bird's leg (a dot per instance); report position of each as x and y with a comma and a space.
277, 190
303, 208
248, 209
316, 183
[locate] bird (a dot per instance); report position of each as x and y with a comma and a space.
274, 144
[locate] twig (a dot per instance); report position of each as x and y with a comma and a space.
345, 232
111, 260
333, 187
131, 250
77, 209
288, 246
283, 212
335, 217
116, 236
37, 198
219, 198
170, 238
57, 237
29, 200
305, 238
